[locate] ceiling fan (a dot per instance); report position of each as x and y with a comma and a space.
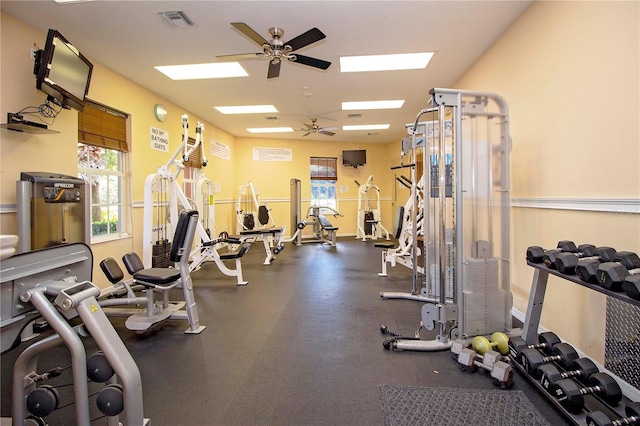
277, 50
314, 128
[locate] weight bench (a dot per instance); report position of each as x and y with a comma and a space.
160, 280
271, 239
330, 230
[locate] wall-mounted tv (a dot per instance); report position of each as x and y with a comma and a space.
62, 72
354, 158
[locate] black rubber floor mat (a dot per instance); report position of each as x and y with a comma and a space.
406, 405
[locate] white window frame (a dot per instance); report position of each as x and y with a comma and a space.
123, 187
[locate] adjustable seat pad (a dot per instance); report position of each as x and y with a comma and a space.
325, 224
151, 275
157, 275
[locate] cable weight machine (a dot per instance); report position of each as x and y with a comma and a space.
467, 217
163, 192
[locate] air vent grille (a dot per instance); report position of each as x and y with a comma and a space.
177, 18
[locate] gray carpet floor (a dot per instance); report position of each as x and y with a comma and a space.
299, 345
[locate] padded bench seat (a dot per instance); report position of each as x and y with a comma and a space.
146, 276
267, 231
325, 224
236, 254
385, 246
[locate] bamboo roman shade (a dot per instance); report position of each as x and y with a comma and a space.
100, 126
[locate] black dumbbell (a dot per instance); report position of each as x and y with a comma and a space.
583, 250
587, 269
546, 341
631, 410
566, 262
535, 254
571, 395
532, 359
631, 286
580, 369
611, 275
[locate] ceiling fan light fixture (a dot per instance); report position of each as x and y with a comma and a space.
269, 129
246, 109
402, 61
350, 106
203, 71
366, 127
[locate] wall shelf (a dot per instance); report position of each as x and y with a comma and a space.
16, 123
27, 128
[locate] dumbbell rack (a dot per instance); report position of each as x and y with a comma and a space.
530, 332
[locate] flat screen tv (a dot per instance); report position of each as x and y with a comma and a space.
354, 158
62, 72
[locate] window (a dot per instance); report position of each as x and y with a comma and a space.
323, 181
102, 151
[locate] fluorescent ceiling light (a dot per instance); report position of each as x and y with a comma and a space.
202, 71
348, 106
405, 61
366, 127
270, 129
71, 1
246, 109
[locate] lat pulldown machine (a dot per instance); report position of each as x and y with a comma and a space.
467, 219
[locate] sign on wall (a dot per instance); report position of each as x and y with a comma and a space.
219, 149
159, 139
272, 154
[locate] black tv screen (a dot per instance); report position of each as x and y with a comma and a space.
354, 158
62, 72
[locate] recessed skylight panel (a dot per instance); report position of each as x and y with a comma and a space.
203, 71
350, 106
366, 127
404, 61
270, 129
246, 109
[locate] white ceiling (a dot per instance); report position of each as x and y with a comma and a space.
130, 37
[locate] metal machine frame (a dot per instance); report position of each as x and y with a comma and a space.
166, 179
467, 234
55, 283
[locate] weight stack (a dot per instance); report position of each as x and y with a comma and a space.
368, 223
485, 303
160, 254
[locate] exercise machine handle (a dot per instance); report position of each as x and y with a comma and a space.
403, 166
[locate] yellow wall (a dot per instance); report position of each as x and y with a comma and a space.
272, 178
569, 73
